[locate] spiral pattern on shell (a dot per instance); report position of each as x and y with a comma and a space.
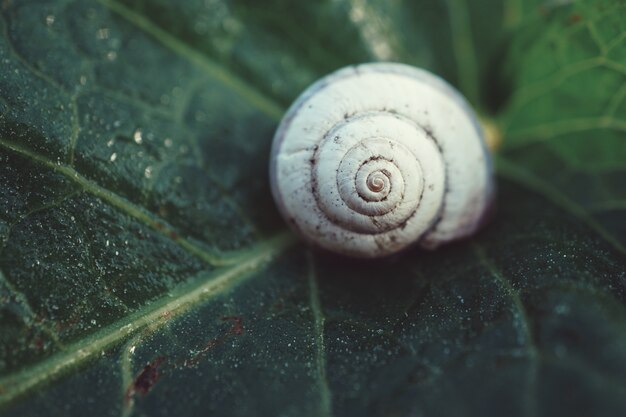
373, 158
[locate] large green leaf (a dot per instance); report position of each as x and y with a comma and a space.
144, 269
565, 123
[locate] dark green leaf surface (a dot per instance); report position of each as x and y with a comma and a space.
144, 269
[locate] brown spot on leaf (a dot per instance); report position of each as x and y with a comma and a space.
237, 326
235, 329
146, 379
38, 343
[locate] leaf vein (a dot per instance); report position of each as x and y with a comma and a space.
209, 66
543, 132
25, 63
526, 326
320, 353
23, 301
463, 48
154, 314
127, 207
510, 170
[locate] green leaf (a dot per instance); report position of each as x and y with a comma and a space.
144, 269
565, 120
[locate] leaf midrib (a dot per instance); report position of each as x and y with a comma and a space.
155, 314
131, 209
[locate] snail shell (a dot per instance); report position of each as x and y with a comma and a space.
375, 157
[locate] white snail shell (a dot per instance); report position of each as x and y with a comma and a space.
375, 157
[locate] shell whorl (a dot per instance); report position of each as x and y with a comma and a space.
365, 160
374, 170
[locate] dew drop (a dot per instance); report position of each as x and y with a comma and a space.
102, 33
137, 137
113, 157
